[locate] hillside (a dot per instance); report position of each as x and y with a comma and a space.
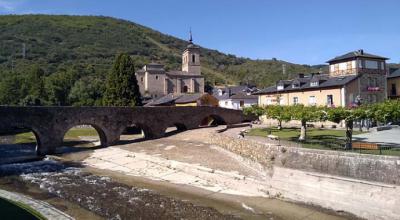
83, 48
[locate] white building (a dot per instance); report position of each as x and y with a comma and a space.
237, 97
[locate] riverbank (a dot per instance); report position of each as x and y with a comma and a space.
185, 171
187, 161
39, 209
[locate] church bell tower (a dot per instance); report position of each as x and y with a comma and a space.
191, 58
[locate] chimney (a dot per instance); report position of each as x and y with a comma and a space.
301, 75
361, 51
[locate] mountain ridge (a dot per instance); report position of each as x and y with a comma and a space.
218, 66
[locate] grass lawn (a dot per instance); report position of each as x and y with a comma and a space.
72, 134
16, 210
324, 139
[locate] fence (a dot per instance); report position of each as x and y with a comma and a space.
380, 149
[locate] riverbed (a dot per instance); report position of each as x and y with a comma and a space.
177, 177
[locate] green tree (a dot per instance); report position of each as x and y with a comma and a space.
339, 114
87, 92
34, 85
254, 110
387, 111
11, 89
122, 88
59, 84
279, 113
305, 114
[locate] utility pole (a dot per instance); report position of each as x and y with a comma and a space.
23, 50
283, 69
12, 63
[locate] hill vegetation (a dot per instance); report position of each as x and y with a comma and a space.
74, 54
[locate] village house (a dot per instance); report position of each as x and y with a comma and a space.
154, 81
354, 78
236, 97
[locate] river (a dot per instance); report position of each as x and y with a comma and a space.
87, 192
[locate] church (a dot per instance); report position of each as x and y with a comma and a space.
154, 82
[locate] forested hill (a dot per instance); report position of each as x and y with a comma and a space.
80, 50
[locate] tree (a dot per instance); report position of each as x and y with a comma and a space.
122, 88
33, 87
10, 90
254, 110
305, 114
339, 114
387, 111
279, 113
361, 114
87, 92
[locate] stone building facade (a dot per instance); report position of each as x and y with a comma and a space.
155, 82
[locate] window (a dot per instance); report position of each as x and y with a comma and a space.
156, 77
279, 87
332, 67
360, 65
193, 58
185, 89
241, 103
329, 100
393, 91
141, 79
295, 100
312, 100
342, 66
314, 83
382, 65
226, 103
370, 64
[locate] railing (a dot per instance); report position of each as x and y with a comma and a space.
381, 149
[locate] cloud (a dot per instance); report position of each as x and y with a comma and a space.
9, 5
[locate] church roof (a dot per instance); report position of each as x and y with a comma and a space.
192, 46
172, 99
179, 73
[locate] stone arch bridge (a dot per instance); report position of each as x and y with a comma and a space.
49, 124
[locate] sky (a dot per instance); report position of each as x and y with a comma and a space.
304, 32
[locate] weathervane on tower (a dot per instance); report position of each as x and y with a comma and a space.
190, 36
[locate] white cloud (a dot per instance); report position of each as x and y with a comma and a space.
9, 5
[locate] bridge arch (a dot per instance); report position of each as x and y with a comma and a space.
175, 128
212, 120
101, 132
134, 132
23, 146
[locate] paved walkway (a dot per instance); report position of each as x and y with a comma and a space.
387, 137
48, 211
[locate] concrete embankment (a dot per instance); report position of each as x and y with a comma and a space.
365, 185
46, 210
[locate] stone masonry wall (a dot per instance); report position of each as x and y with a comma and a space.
384, 169
367, 186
